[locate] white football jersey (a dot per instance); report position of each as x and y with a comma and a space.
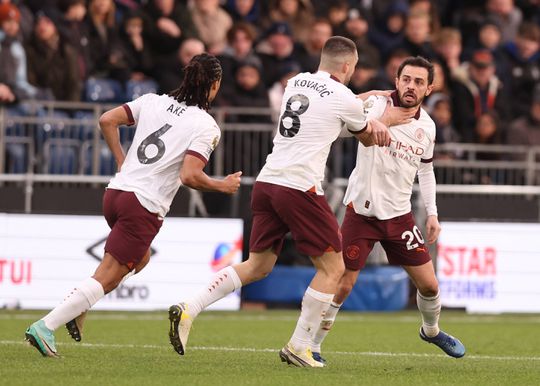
314, 110
166, 131
381, 183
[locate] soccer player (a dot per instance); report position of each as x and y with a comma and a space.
379, 208
173, 141
288, 196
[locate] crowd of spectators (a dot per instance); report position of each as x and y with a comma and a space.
486, 53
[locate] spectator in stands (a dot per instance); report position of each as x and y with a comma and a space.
298, 14
387, 31
135, 48
103, 39
73, 28
364, 74
489, 37
240, 38
26, 19
13, 81
448, 47
486, 132
356, 29
248, 91
386, 79
507, 15
523, 67
309, 54
428, 7
418, 35
170, 75
52, 62
247, 11
480, 92
337, 13
439, 108
212, 23
526, 130
167, 23
276, 51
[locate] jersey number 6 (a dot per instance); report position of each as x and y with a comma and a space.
291, 117
153, 139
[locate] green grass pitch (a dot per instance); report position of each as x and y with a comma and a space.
241, 348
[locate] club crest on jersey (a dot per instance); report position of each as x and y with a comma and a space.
215, 142
419, 134
368, 104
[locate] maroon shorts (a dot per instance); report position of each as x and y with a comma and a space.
399, 236
132, 227
278, 210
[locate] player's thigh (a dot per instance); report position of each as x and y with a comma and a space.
312, 223
423, 277
359, 237
133, 232
268, 229
403, 242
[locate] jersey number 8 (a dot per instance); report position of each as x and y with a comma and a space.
289, 122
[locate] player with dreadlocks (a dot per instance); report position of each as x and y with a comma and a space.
173, 141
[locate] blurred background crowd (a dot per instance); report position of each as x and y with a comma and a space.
486, 53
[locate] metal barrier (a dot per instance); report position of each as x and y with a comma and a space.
48, 132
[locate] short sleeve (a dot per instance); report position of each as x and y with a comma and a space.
352, 113
205, 141
374, 106
133, 108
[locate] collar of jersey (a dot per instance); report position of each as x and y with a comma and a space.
329, 75
395, 99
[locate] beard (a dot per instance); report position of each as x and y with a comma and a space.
409, 99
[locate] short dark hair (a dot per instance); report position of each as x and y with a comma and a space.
418, 61
338, 46
199, 75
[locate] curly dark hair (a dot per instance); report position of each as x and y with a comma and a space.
199, 76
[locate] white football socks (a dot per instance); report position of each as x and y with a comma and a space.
325, 327
84, 296
430, 308
225, 282
314, 307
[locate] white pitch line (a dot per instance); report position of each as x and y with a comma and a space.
270, 350
488, 319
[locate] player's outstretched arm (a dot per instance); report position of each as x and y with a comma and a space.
376, 133
193, 176
109, 123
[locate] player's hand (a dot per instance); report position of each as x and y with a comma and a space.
366, 95
231, 183
433, 228
394, 116
379, 133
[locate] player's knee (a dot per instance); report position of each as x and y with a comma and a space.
429, 290
345, 287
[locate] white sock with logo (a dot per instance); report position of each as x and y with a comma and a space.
225, 282
314, 307
82, 298
430, 308
325, 327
